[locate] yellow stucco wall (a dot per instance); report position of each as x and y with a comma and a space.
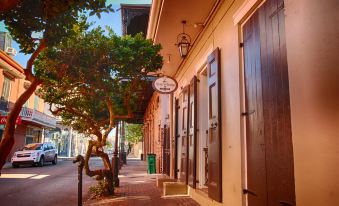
222, 33
17, 88
312, 37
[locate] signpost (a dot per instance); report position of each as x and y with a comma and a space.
165, 85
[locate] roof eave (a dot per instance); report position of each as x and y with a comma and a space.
154, 18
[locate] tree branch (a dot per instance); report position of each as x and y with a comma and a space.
29, 67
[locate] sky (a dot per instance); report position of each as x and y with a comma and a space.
112, 20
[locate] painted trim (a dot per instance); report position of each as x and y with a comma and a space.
245, 9
154, 18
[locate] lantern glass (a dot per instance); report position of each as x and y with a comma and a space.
183, 49
183, 41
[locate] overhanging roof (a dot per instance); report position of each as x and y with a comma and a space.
165, 24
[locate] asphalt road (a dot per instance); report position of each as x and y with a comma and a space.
48, 185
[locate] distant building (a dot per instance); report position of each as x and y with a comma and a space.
134, 18
34, 122
5, 40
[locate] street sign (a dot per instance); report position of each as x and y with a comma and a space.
3, 120
165, 85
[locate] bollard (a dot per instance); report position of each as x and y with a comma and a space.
81, 165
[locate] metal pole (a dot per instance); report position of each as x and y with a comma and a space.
123, 151
81, 165
115, 160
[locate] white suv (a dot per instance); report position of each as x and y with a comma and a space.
35, 154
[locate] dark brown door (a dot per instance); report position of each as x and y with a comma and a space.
184, 133
177, 135
214, 121
270, 171
192, 136
166, 151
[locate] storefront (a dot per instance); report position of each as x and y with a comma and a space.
248, 121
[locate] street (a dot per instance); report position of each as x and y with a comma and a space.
48, 185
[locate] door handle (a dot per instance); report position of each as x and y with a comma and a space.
285, 203
246, 191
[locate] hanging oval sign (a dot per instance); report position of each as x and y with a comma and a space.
165, 85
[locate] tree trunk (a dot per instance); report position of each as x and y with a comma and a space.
7, 5
100, 173
7, 142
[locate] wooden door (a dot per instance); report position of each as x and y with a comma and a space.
214, 122
270, 171
176, 137
184, 132
192, 136
166, 150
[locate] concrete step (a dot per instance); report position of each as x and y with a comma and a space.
174, 188
161, 180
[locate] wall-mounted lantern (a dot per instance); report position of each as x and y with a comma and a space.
183, 41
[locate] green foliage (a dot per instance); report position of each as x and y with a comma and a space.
134, 133
50, 19
109, 145
91, 70
99, 190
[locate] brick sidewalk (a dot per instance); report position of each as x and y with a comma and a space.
137, 188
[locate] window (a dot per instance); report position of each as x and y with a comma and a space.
6, 89
33, 135
26, 103
36, 102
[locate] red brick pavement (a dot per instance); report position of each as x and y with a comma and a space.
137, 188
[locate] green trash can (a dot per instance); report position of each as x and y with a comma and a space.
151, 163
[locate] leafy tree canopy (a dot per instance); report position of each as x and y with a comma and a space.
94, 79
134, 133
51, 20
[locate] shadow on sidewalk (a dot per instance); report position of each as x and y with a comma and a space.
137, 188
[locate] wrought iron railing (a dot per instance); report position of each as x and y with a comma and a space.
29, 114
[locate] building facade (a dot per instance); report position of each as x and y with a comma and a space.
254, 119
68, 142
33, 122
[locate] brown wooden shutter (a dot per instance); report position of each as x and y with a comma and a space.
184, 133
214, 123
192, 137
255, 142
270, 170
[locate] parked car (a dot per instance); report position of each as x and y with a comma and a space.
35, 154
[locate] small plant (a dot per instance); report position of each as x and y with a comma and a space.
99, 190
